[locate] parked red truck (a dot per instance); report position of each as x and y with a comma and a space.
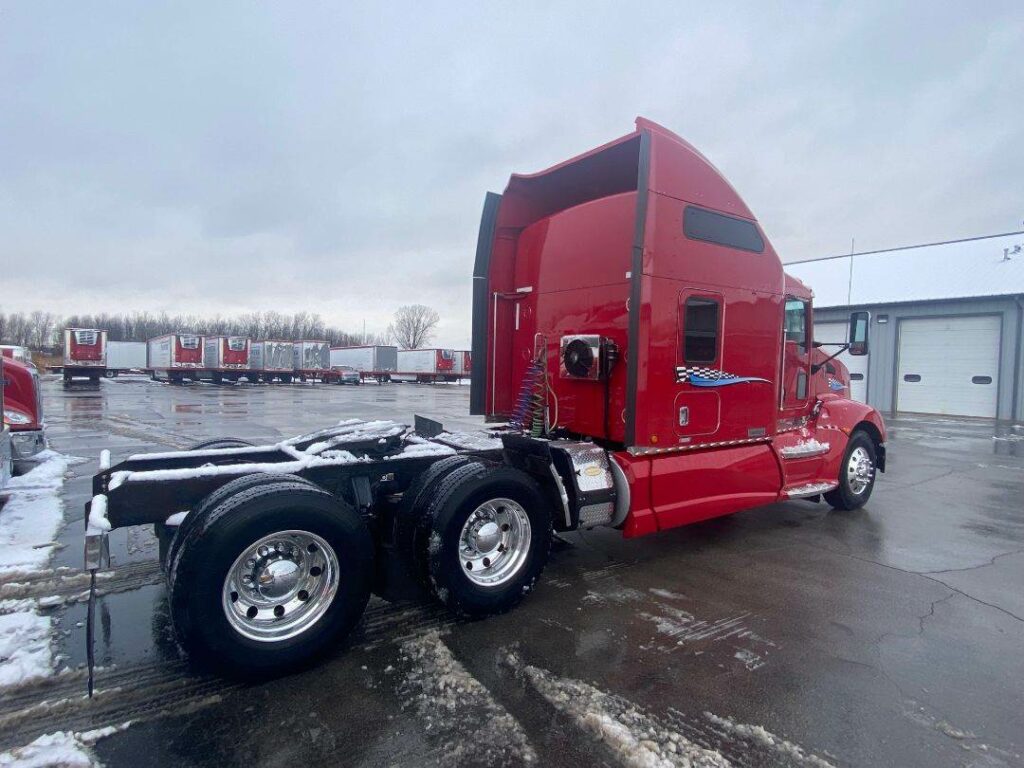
23, 413
650, 363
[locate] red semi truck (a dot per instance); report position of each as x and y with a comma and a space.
648, 359
23, 413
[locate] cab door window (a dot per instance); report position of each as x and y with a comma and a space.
795, 353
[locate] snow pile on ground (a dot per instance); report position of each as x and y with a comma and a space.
460, 713
63, 749
33, 514
638, 739
29, 522
794, 753
24, 647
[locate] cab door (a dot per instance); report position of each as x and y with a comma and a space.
796, 357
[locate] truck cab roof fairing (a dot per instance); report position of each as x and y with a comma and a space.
659, 167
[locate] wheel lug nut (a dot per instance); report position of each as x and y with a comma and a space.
280, 546
250, 563
264, 551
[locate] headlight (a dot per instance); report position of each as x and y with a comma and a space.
16, 417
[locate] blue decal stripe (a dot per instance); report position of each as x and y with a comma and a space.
699, 381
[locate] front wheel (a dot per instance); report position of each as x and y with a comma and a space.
275, 576
490, 538
856, 474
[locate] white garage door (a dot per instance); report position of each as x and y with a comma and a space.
838, 332
949, 365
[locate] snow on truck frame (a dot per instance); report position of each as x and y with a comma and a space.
650, 363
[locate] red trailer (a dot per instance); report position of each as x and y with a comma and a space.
649, 362
175, 357
426, 365
85, 354
225, 358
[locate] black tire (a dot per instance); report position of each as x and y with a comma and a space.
286, 379
174, 535
455, 498
109, 374
844, 495
413, 522
221, 442
211, 546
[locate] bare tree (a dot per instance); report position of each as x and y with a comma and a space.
413, 326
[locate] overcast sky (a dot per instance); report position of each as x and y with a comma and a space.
217, 157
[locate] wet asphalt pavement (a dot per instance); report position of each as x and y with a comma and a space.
891, 636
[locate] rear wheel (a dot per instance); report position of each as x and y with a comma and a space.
856, 474
490, 538
270, 579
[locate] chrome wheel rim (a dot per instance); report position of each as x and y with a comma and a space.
494, 542
280, 586
859, 471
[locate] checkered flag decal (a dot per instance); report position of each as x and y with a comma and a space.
683, 373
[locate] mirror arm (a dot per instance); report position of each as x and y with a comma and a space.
818, 366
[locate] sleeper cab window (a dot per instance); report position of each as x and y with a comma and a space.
714, 227
796, 323
700, 330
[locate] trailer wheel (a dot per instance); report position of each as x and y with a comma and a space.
108, 374
856, 474
490, 538
272, 578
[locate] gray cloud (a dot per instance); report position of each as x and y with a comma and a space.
222, 158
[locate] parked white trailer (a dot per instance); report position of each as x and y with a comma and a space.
426, 365
125, 356
85, 353
271, 359
311, 358
225, 358
372, 361
175, 356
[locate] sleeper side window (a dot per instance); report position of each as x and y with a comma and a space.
700, 330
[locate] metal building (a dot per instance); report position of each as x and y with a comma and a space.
947, 321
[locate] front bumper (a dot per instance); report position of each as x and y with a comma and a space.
25, 446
